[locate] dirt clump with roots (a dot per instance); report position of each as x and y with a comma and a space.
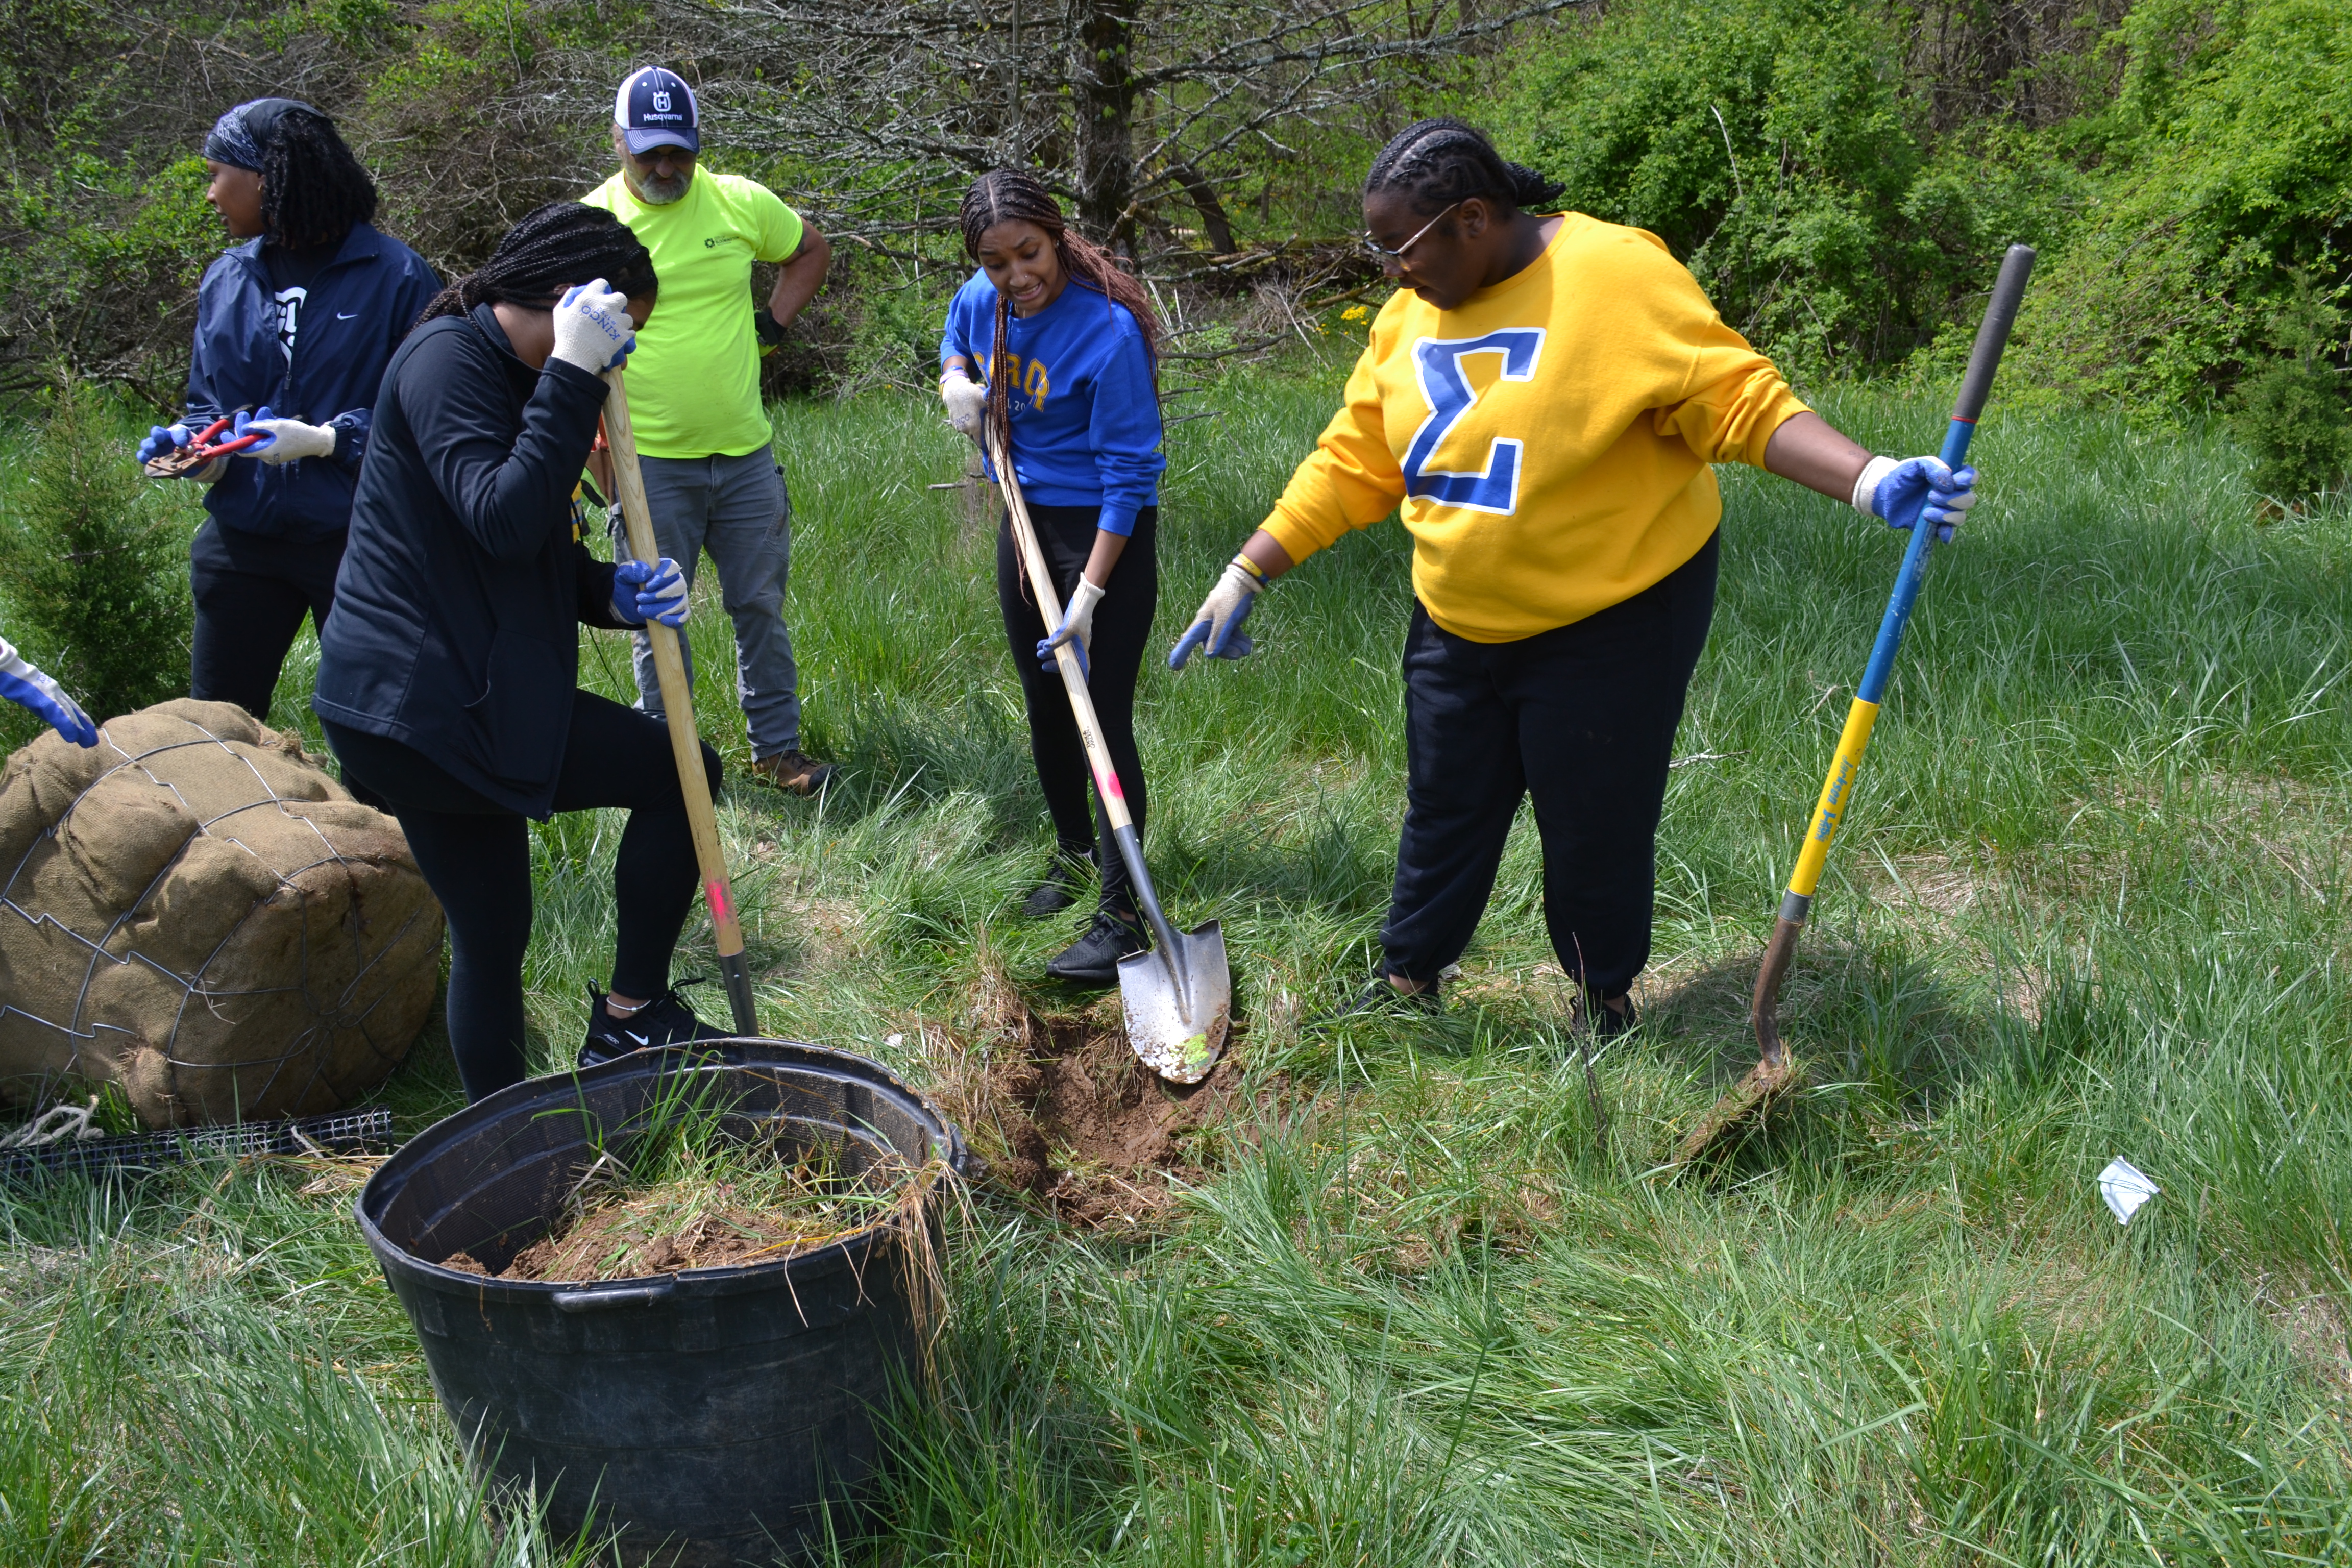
1065, 1113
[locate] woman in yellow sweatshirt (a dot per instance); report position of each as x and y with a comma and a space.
1539, 401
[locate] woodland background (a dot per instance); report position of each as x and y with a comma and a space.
1843, 175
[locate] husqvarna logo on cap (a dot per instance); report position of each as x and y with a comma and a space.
655, 108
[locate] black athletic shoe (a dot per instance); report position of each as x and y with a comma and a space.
1378, 999
664, 1021
1608, 1024
1093, 958
1059, 891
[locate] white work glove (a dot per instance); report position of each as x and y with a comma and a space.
1077, 625
966, 402
1218, 622
22, 683
285, 440
1903, 491
591, 327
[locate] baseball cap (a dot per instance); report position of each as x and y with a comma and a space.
655, 108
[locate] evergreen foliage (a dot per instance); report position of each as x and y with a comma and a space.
2290, 412
95, 575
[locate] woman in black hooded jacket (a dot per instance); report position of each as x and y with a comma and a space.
447, 673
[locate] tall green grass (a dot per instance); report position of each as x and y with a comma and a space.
2090, 902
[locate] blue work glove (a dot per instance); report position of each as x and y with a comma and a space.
22, 683
1218, 622
657, 593
163, 438
1904, 491
1078, 626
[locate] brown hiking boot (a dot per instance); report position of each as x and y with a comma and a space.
792, 771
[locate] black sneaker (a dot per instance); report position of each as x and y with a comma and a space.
1058, 891
664, 1021
1093, 958
1378, 999
1608, 1023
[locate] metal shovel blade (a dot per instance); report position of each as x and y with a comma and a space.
1178, 1002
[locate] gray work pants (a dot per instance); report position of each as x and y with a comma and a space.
736, 509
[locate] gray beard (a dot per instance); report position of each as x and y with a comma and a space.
661, 193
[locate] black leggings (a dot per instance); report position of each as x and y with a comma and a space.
1114, 659
1583, 718
251, 592
476, 856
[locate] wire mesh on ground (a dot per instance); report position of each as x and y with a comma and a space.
195, 910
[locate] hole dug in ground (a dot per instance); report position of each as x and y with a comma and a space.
1064, 1112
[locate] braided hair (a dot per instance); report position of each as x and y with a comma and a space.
1437, 162
1009, 195
554, 248
312, 190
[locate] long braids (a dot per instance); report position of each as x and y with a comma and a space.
313, 192
1437, 162
554, 248
1009, 195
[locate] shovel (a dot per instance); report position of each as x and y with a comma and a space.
1775, 1075
678, 707
1179, 999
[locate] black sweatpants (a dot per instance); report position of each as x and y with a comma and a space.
1581, 717
1114, 657
476, 856
251, 594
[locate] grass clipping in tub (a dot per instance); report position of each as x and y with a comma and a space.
688, 1192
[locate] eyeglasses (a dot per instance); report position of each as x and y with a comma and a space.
1383, 255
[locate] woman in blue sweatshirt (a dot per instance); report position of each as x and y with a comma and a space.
1053, 342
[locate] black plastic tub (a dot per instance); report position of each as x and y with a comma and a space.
711, 1415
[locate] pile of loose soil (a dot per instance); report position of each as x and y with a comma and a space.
693, 1222
1087, 1127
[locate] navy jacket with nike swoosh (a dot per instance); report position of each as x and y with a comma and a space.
357, 311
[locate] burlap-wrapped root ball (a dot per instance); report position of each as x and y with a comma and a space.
194, 911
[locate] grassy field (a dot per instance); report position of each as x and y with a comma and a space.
1401, 1301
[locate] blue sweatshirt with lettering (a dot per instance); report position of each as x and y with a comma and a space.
1086, 416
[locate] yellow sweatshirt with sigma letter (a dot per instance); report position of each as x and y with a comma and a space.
1545, 442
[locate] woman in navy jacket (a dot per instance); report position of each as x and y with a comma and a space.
293, 332
447, 675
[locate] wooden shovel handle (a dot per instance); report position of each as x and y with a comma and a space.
1049, 606
678, 698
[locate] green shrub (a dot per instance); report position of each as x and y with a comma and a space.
2228, 169
93, 569
1778, 149
2289, 412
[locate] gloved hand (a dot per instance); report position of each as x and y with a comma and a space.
767, 329
283, 440
655, 592
1904, 491
163, 438
1218, 622
591, 327
966, 402
1077, 625
22, 683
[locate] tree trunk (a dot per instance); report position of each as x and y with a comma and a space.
1204, 197
1102, 97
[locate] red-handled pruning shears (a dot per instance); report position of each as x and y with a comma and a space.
200, 449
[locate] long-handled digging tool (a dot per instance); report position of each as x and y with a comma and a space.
678, 707
1180, 999
1770, 1080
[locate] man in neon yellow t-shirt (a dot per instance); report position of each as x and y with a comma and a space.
711, 479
